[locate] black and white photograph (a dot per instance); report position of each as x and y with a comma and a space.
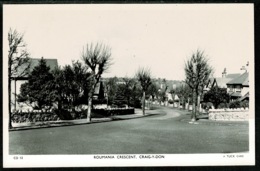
101, 85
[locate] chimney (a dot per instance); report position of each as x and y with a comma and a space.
224, 73
244, 68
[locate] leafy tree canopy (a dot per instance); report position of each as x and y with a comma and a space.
38, 89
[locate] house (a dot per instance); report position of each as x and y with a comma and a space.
18, 80
238, 88
237, 84
220, 82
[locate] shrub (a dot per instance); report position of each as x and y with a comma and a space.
245, 104
203, 105
216, 96
235, 104
209, 105
99, 101
137, 103
170, 101
111, 112
222, 105
63, 114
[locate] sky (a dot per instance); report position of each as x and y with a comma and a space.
159, 37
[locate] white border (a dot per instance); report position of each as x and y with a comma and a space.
169, 159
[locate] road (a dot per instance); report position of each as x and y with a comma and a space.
165, 133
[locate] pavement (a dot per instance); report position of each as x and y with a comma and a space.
24, 126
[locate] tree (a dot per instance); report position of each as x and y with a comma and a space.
217, 95
82, 83
58, 86
38, 89
128, 89
197, 71
111, 89
183, 91
70, 89
18, 61
98, 59
153, 90
144, 77
162, 91
76, 83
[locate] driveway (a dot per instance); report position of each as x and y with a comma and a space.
164, 132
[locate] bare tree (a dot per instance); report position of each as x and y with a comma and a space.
98, 58
18, 62
197, 71
144, 77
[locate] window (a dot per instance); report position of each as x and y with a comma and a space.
238, 88
230, 89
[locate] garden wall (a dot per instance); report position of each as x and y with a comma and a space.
229, 114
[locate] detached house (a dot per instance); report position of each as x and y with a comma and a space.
220, 82
237, 85
238, 88
18, 81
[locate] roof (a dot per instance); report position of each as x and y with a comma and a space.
221, 81
52, 63
245, 97
232, 75
236, 94
242, 79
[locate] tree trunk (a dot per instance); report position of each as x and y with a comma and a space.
128, 101
9, 95
89, 107
194, 111
198, 103
15, 95
107, 100
188, 103
183, 103
143, 105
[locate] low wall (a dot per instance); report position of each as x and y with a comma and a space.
229, 114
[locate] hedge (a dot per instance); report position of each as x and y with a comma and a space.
111, 112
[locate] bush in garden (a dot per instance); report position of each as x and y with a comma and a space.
63, 114
216, 95
209, 105
245, 104
170, 101
222, 106
235, 104
137, 103
203, 105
